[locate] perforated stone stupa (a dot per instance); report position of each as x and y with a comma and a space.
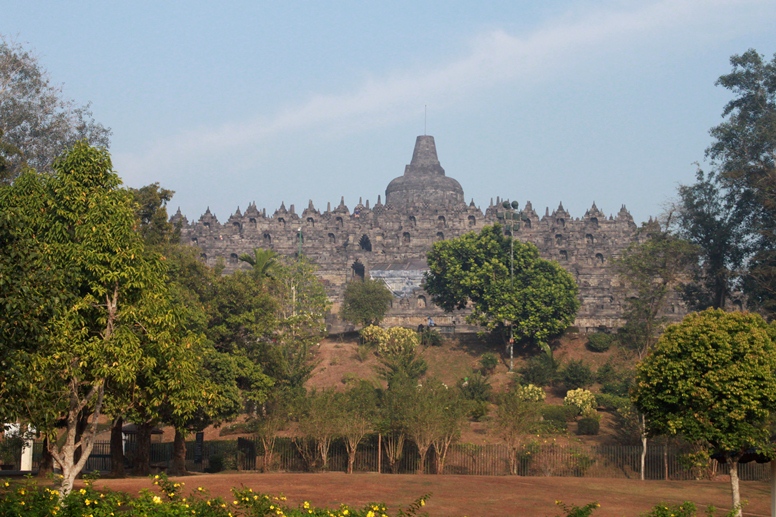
390, 241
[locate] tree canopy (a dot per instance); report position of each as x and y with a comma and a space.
540, 301
712, 379
366, 302
37, 123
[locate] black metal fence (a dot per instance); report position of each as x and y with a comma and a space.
608, 461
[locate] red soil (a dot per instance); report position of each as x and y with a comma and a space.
474, 496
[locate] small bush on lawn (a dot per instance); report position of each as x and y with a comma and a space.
686, 509
488, 362
540, 370
475, 387
588, 426
600, 342
572, 510
610, 402
556, 418
577, 374
430, 337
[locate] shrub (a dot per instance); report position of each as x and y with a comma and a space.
556, 418
588, 426
488, 362
577, 374
573, 510
475, 387
478, 409
686, 509
614, 381
611, 402
540, 370
215, 464
600, 342
529, 393
582, 400
430, 337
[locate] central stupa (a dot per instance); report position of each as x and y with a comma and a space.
424, 181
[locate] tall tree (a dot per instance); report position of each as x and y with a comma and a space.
712, 379
537, 302
714, 219
34, 117
76, 228
744, 155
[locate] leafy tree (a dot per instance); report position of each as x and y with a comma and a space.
35, 119
577, 374
743, 154
651, 269
538, 303
517, 415
74, 230
366, 302
712, 379
360, 411
391, 419
319, 417
151, 210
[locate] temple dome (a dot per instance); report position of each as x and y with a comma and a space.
424, 181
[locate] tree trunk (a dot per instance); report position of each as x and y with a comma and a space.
117, 448
422, 450
142, 460
643, 445
733, 462
46, 464
179, 453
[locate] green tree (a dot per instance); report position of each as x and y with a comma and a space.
263, 262
360, 410
518, 414
743, 154
538, 302
651, 269
74, 230
366, 302
34, 117
712, 379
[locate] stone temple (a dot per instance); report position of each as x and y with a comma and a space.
390, 240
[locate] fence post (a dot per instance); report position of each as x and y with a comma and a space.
379, 453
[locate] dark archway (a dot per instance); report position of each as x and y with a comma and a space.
358, 269
365, 244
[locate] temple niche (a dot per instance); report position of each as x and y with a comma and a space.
389, 241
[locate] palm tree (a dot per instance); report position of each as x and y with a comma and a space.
264, 262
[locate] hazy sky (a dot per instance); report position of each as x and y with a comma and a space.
564, 101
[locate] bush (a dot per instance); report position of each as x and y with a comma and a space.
488, 362
588, 426
556, 418
529, 393
540, 370
600, 342
576, 375
686, 509
475, 387
478, 409
614, 381
581, 400
611, 402
577, 511
430, 337
215, 464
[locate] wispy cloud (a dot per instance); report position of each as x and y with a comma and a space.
494, 58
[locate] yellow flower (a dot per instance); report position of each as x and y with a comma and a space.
370, 513
157, 499
306, 505
422, 502
87, 502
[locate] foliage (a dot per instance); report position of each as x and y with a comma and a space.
263, 263
651, 269
714, 218
686, 509
577, 374
167, 499
360, 411
36, 123
540, 370
488, 362
319, 415
743, 153
611, 402
366, 302
151, 210
529, 393
582, 400
600, 341
573, 510
712, 379
516, 416
70, 237
430, 337
556, 418
475, 387
588, 425
538, 303
614, 380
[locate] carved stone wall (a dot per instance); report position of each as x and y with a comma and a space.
391, 240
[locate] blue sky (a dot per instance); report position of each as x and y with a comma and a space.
570, 101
